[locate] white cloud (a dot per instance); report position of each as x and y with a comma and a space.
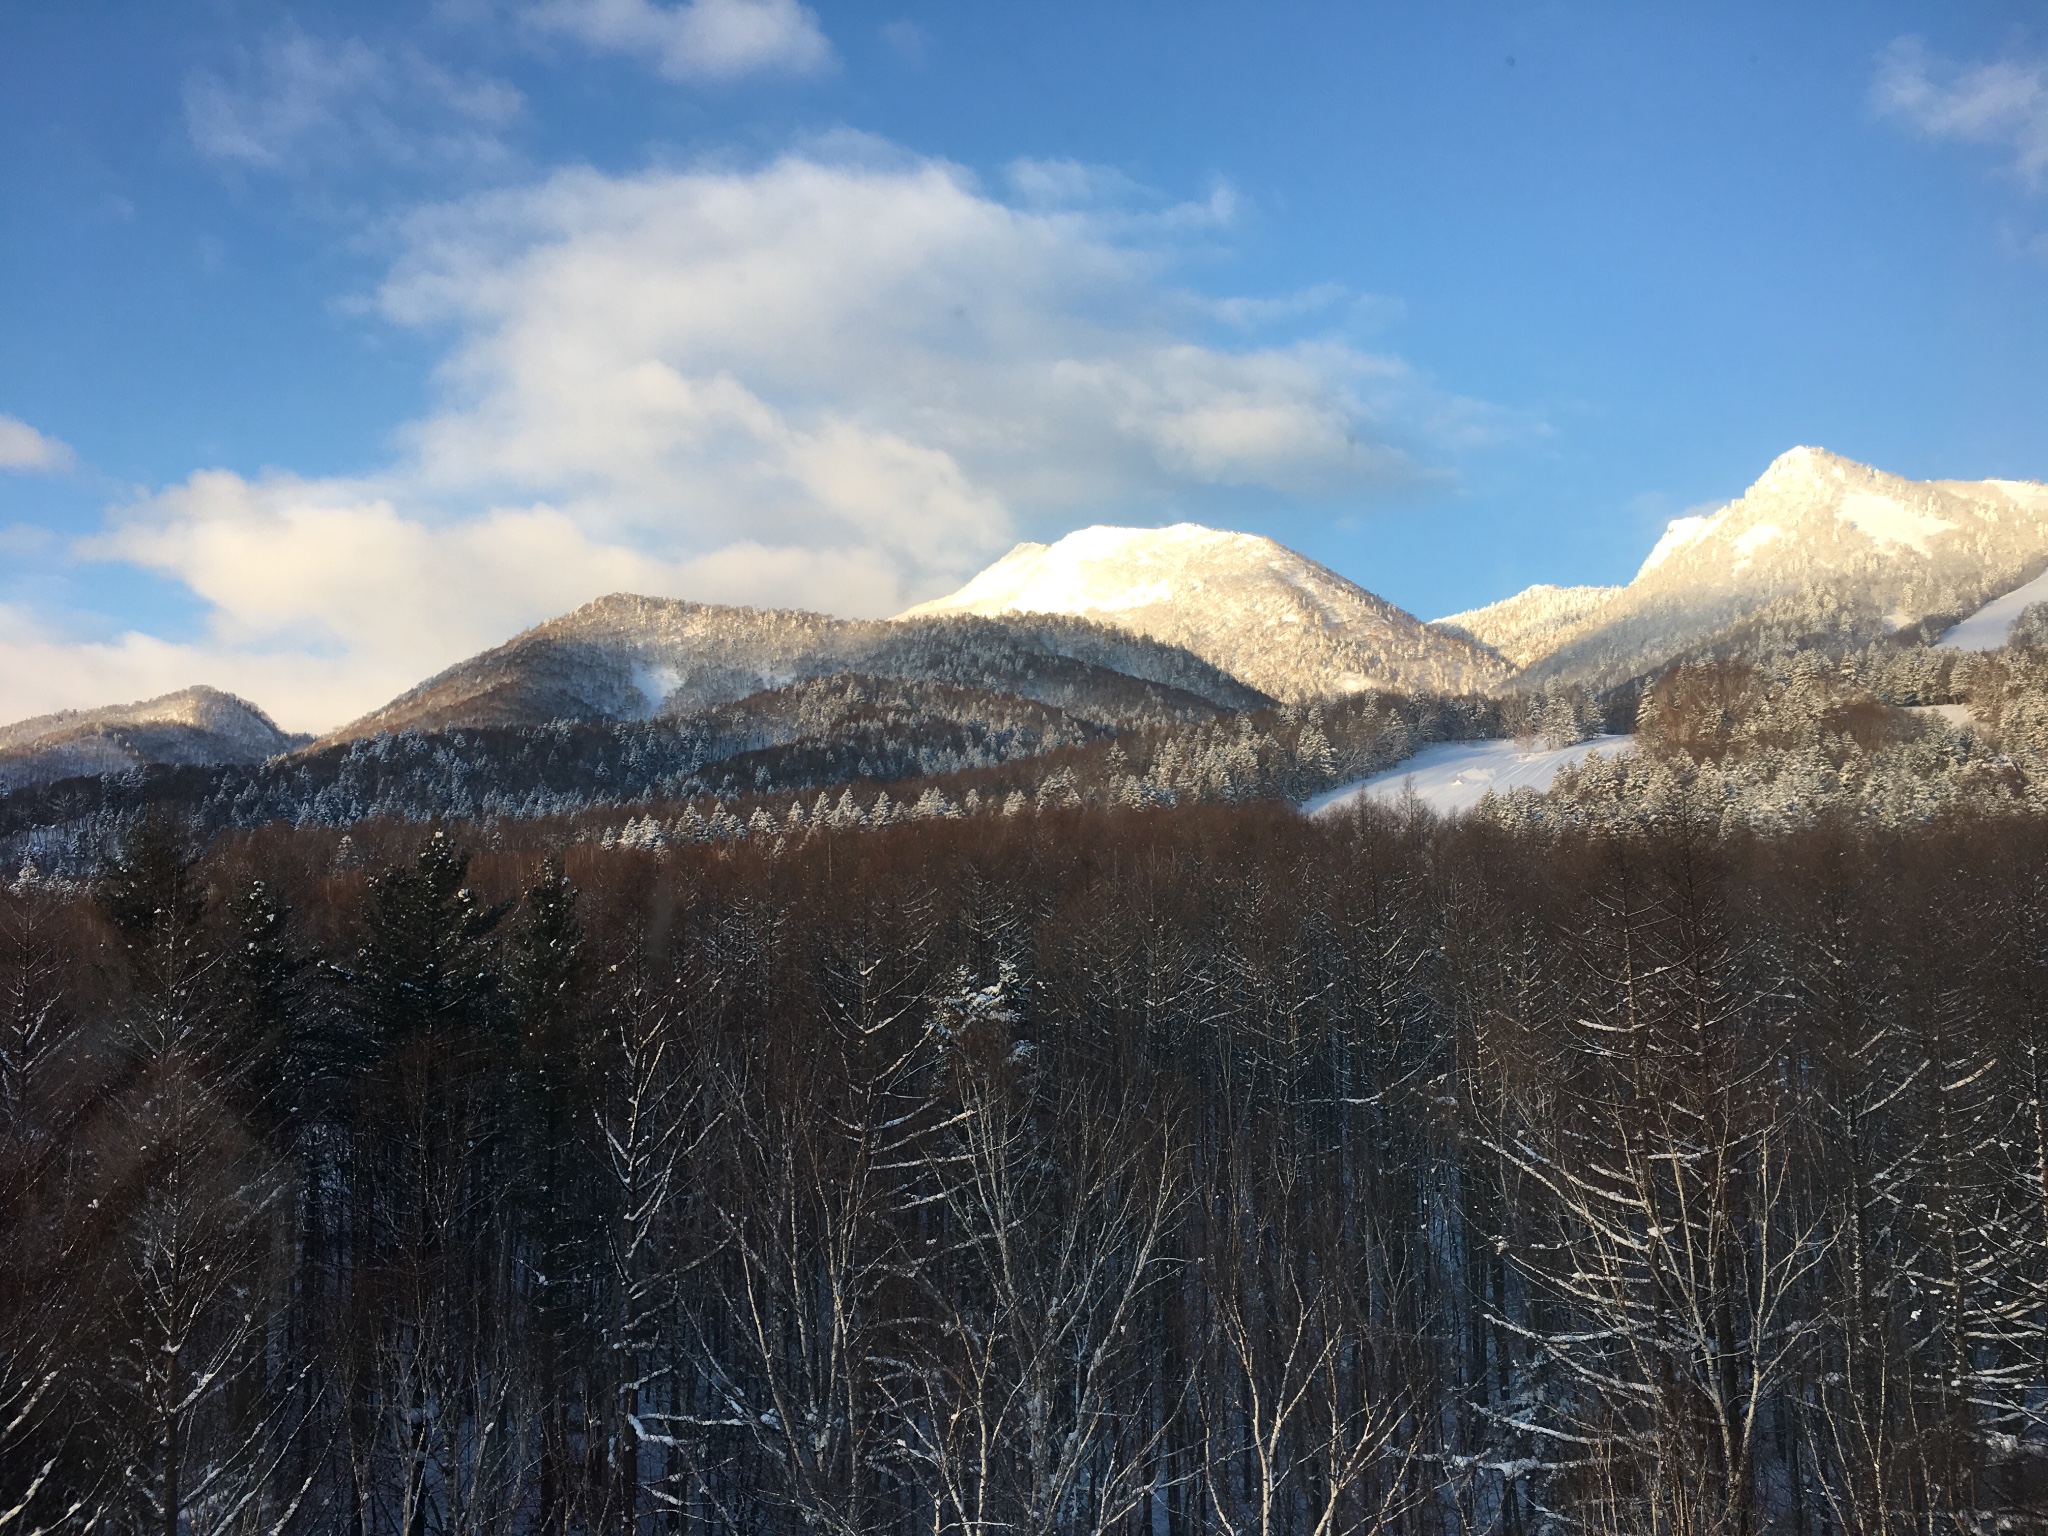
696, 40
22, 447
1069, 184
840, 380
46, 669
300, 100
1249, 313
332, 578
1115, 200
679, 351
2004, 103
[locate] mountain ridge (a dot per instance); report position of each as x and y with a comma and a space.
1517, 628
1258, 610
1819, 549
1112, 623
196, 725
626, 656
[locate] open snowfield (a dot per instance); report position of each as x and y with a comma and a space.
1453, 775
1988, 627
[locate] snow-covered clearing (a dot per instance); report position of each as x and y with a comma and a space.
1988, 627
1957, 717
1453, 775
1886, 520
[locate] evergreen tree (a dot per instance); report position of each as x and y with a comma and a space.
558, 1241
266, 1036
424, 968
149, 885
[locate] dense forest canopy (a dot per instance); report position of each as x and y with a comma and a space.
1094, 1170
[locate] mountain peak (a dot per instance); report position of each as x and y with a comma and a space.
1525, 626
1272, 617
193, 725
1818, 545
1110, 569
1806, 462
199, 707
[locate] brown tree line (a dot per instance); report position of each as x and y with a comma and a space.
1205, 1170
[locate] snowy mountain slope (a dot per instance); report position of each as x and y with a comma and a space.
1523, 627
849, 726
1990, 627
823, 732
1254, 608
1088, 670
625, 658
194, 725
1819, 549
1453, 776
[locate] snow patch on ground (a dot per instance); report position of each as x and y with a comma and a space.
1454, 776
655, 683
1988, 627
1886, 521
2030, 494
1749, 543
1957, 717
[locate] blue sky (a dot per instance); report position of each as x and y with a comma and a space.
337, 342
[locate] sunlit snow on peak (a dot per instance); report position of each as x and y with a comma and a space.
1269, 616
1679, 533
1106, 569
1891, 523
1802, 464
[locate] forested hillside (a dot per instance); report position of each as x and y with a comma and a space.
1886, 736
195, 725
626, 657
887, 1105
875, 739
1172, 1171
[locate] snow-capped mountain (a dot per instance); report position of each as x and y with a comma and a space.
1820, 549
627, 658
1256, 609
1115, 626
194, 725
1523, 627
